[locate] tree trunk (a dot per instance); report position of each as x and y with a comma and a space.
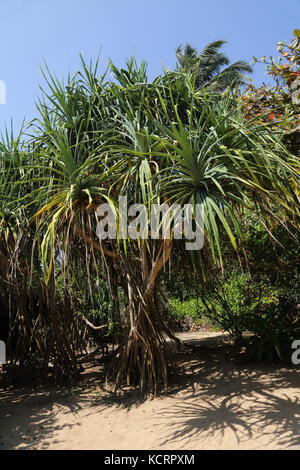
141, 358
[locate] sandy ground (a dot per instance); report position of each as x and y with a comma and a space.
213, 403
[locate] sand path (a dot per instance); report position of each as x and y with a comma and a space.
212, 404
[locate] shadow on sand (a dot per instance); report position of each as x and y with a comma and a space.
209, 397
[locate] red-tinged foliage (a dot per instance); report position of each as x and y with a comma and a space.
279, 103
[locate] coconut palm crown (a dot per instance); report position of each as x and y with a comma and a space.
211, 66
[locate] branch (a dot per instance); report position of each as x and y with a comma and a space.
91, 324
158, 264
99, 248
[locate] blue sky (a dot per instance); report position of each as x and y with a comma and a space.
58, 30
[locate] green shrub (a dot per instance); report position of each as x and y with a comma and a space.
181, 311
269, 312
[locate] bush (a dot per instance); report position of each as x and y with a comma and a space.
270, 313
188, 314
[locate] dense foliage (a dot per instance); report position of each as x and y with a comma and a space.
168, 141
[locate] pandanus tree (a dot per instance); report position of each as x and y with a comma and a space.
30, 324
17, 297
166, 142
212, 162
